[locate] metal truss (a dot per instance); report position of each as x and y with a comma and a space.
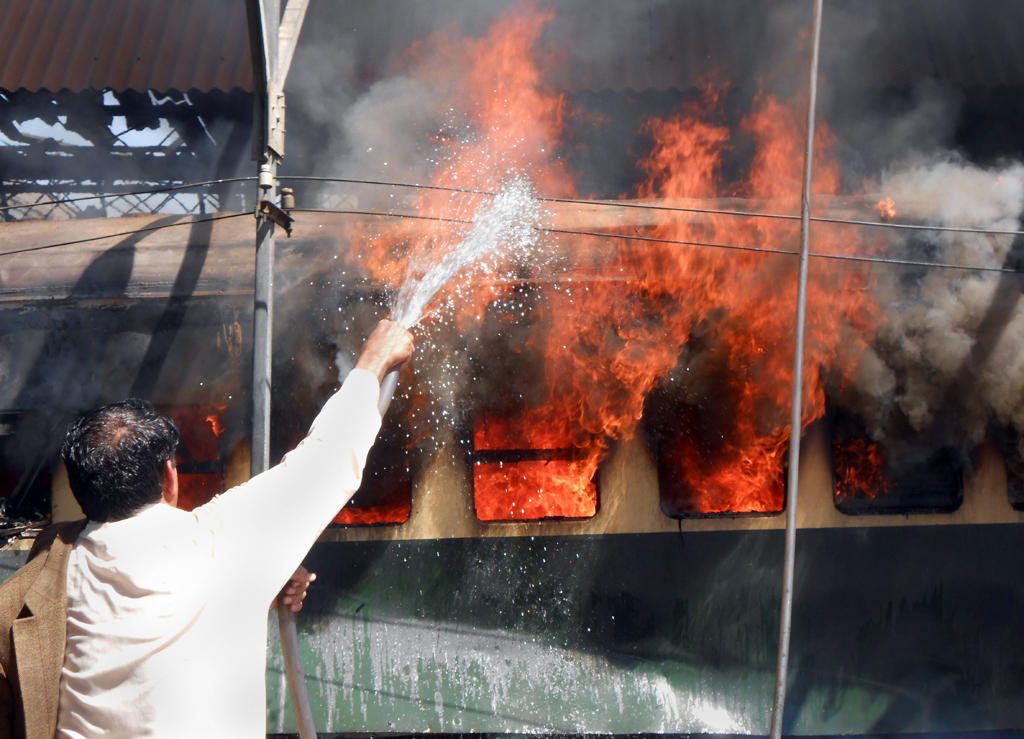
60, 146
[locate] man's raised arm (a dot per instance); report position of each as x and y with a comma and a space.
275, 518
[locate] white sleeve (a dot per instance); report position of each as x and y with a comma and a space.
265, 527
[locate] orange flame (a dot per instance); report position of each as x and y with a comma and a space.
622, 336
214, 420
860, 469
515, 122
611, 338
886, 209
393, 513
529, 489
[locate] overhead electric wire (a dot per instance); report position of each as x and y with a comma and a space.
381, 214
919, 227
218, 217
669, 208
570, 201
567, 201
818, 255
653, 239
412, 186
572, 232
147, 191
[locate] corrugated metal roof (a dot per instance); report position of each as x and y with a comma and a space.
124, 44
203, 44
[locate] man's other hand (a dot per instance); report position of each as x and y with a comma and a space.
294, 592
388, 346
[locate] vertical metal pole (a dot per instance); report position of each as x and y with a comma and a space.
263, 325
262, 339
264, 18
786, 621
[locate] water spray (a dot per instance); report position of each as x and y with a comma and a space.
506, 227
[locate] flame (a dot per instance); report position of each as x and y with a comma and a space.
505, 121
886, 209
393, 513
860, 469
530, 489
195, 424
195, 490
214, 420
635, 311
622, 337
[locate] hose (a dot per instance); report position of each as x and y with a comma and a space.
286, 617
293, 669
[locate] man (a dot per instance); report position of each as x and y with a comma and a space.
149, 621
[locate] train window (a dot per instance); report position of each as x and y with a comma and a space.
751, 485
26, 483
867, 481
522, 471
385, 495
199, 458
708, 468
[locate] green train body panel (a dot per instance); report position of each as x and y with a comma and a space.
895, 630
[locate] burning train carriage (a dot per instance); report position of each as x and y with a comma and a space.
635, 597
571, 552
574, 520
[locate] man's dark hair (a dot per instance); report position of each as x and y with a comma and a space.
115, 457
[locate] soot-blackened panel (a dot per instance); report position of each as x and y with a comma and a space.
1008, 441
868, 481
25, 488
895, 630
1015, 479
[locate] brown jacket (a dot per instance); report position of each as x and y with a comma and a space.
33, 625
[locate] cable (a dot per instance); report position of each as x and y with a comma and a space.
149, 191
669, 241
380, 214
911, 263
605, 234
221, 217
544, 230
606, 203
568, 201
818, 255
915, 227
386, 184
598, 234
670, 208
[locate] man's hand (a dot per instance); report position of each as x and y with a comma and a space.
388, 346
294, 592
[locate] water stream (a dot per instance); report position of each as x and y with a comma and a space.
503, 233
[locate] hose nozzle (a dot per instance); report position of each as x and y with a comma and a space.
387, 389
